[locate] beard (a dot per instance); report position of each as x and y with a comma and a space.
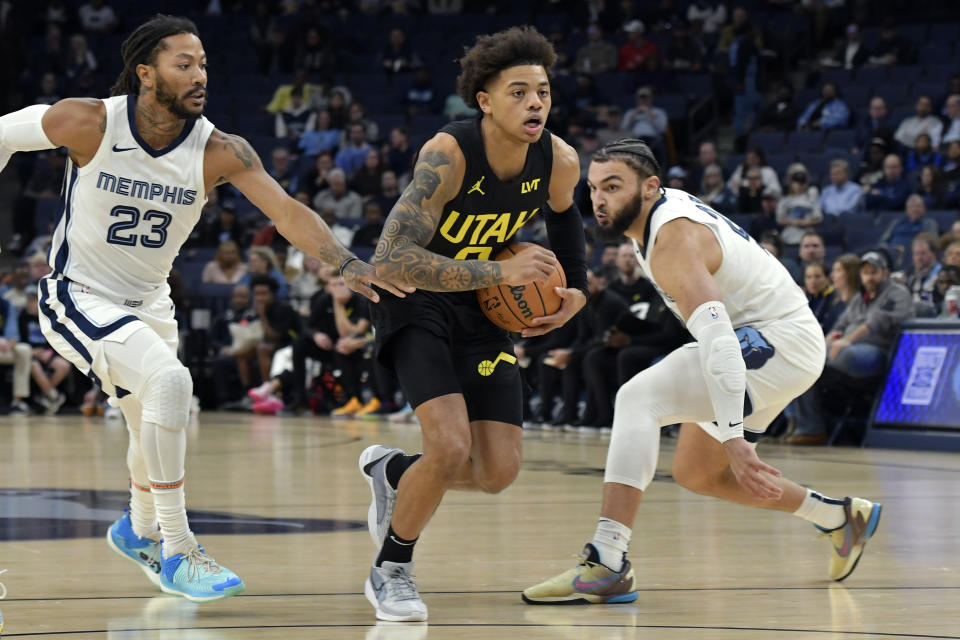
621, 220
173, 103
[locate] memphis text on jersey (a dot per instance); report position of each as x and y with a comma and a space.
481, 231
145, 190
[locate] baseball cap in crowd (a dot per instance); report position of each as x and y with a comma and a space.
634, 26
644, 91
880, 142
875, 258
676, 171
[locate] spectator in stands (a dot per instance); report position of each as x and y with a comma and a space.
921, 278
609, 118
799, 209
710, 15
922, 155
948, 278
366, 181
316, 52
891, 49
638, 52
233, 334
18, 354
748, 200
298, 118
346, 204
645, 121
841, 196
715, 193
398, 56
339, 107
871, 171
51, 57
951, 121
261, 25
876, 125
281, 97
740, 24
924, 122
891, 191
97, 18
421, 98
756, 157
80, 59
845, 277
357, 113
14, 291
351, 157
827, 112
821, 294
586, 95
225, 268
744, 62
322, 138
770, 240
389, 191
858, 343
930, 187
685, 51
369, 232
262, 261
766, 218
49, 92
47, 368
951, 161
677, 178
951, 253
316, 179
279, 321
597, 55
707, 155
851, 53
283, 170
811, 249
781, 112
399, 153
311, 276
901, 232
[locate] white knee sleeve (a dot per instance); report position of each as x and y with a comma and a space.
635, 441
166, 397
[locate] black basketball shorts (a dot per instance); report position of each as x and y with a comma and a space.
485, 371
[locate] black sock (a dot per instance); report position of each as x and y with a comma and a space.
397, 466
395, 549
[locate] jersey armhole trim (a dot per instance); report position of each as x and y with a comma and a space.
105, 143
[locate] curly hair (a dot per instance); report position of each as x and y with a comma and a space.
143, 45
493, 53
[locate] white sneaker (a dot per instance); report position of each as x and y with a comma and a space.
373, 466
405, 414
51, 405
393, 593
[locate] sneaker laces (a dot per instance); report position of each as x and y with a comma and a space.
400, 585
198, 562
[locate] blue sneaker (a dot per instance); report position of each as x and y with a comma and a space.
143, 552
198, 578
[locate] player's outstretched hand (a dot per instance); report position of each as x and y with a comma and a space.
751, 472
573, 301
360, 275
530, 265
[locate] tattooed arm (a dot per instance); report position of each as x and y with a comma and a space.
230, 158
401, 256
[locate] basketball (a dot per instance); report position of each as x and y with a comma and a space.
512, 308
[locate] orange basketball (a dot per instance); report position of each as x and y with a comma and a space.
512, 308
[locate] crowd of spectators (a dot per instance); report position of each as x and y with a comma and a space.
825, 167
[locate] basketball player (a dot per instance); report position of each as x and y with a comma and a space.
758, 346
475, 184
140, 164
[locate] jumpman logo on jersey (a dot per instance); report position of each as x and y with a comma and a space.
476, 187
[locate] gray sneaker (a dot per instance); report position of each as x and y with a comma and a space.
373, 466
51, 405
393, 593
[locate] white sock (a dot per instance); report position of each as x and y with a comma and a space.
143, 513
826, 513
612, 539
164, 451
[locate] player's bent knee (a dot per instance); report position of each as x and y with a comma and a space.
446, 456
498, 478
166, 396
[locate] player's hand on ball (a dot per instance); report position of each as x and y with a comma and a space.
532, 264
573, 301
359, 276
753, 474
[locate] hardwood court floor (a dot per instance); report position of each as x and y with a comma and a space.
706, 570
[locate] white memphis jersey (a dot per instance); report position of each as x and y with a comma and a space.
755, 287
129, 210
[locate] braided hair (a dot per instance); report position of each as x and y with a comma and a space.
143, 45
635, 153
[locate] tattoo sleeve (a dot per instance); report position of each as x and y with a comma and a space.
241, 148
401, 255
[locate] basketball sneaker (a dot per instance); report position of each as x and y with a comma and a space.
590, 582
373, 466
369, 410
848, 540
198, 577
393, 593
347, 410
143, 552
